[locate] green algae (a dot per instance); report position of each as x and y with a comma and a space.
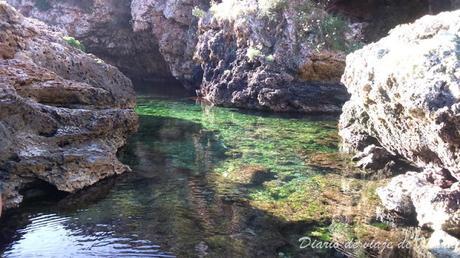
287, 166
219, 182
274, 142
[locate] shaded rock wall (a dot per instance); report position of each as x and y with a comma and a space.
147, 40
63, 113
174, 27
383, 15
105, 29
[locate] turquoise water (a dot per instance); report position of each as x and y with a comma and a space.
206, 182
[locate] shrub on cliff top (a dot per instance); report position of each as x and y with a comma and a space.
313, 24
269, 7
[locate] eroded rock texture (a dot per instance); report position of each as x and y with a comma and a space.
405, 93
105, 29
296, 48
405, 97
63, 113
174, 27
290, 55
260, 57
147, 39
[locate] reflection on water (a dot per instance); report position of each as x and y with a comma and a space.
206, 182
52, 235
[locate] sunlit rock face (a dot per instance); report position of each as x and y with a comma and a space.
290, 55
405, 97
64, 113
105, 29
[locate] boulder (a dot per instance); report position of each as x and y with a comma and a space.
405, 100
431, 196
405, 93
63, 113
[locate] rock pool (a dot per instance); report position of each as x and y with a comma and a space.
209, 181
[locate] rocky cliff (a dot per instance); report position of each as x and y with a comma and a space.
63, 113
405, 101
174, 27
262, 54
147, 40
272, 55
289, 55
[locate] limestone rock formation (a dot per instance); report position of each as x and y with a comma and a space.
258, 56
405, 98
146, 39
296, 47
431, 196
63, 113
174, 27
405, 93
105, 29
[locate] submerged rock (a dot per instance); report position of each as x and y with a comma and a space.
64, 113
405, 98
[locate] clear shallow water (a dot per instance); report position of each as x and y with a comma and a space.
212, 182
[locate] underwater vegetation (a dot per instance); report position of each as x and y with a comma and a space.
286, 165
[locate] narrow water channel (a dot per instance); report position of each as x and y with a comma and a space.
206, 181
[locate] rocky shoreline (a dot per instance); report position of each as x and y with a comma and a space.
283, 56
405, 101
65, 113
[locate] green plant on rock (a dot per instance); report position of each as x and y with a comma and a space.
321, 233
253, 53
381, 225
74, 43
270, 58
198, 12
323, 30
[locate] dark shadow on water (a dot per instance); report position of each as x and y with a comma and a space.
163, 88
